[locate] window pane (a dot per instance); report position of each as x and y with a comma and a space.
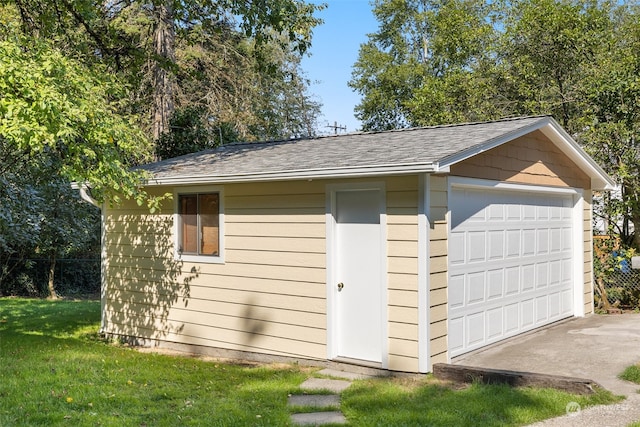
188, 224
209, 223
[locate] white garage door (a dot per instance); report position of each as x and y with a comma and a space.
510, 264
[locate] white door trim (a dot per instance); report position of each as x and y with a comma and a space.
331, 248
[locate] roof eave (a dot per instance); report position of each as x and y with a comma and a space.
307, 174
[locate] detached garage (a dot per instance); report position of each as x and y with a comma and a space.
395, 250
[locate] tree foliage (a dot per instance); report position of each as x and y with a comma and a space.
88, 88
215, 56
434, 62
55, 106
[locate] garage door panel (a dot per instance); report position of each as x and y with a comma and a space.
567, 303
475, 288
542, 275
496, 245
512, 281
476, 246
457, 249
528, 242
456, 334
528, 277
555, 303
456, 291
495, 284
510, 264
542, 309
527, 314
511, 318
513, 244
475, 329
555, 273
495, 323
555, 240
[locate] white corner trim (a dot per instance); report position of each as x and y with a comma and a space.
424, 221
578, 254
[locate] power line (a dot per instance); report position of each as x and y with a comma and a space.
336, 127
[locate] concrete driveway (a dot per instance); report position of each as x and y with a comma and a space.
596, 347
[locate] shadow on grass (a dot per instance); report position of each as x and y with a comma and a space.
379, 403
54, 375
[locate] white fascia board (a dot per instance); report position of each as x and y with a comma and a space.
298, 174
600, 180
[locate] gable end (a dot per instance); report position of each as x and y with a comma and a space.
530, 159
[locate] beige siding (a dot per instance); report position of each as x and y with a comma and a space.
438, 268
402, 268
530, 159
269, 295
588, 253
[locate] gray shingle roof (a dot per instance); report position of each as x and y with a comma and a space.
407, 150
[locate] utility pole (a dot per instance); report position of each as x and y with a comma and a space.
336, 128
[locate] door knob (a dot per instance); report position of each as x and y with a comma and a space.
340, 286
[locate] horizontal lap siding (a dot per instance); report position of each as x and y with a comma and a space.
438, 269
402, 272
530, 159
269, 295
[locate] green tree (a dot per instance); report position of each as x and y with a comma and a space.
41, 215
610, 121
547, 48
578, 61
52, 104
427, 64
143, 42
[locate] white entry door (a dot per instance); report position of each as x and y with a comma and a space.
510, 264
358, 286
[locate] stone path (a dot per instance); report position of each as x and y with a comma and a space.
327, 406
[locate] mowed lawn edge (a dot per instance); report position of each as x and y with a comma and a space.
57, 371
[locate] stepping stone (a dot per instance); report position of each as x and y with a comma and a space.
318, 418
335, 386
314, 400
344, 374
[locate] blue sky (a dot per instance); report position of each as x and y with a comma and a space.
334, 50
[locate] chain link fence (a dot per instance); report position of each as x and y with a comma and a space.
618, 290
617, 284
73, 277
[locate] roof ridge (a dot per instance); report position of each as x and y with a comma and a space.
374, 132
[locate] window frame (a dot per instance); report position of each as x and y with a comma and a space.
177, 222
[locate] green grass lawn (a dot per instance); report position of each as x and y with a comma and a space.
55, 371
632, 373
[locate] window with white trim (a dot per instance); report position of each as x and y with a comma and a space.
199, 224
